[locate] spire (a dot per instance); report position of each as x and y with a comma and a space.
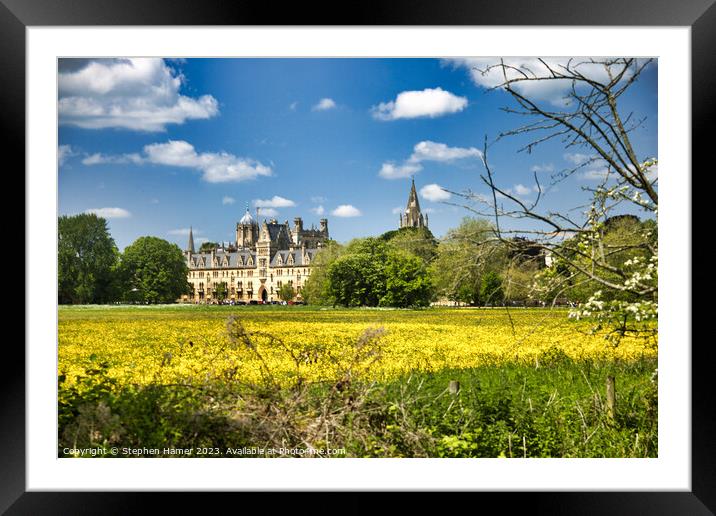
412, 217
413, 198
190, 246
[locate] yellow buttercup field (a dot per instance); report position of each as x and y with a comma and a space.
182, 344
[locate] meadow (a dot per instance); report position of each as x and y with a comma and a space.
444, 382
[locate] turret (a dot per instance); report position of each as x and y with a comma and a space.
324, 227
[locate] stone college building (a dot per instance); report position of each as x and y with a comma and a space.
265, 257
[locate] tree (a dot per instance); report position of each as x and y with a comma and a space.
357, 277
86, 259
369, 272
464, 255
154, 270
491, 291
207, 247
589, 117
407, 281
221, 291
315, 290
286, 292
417, 241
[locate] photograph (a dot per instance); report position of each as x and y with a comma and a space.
358, 257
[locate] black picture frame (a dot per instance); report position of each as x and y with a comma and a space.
699, 15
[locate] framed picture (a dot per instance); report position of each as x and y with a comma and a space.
46, 44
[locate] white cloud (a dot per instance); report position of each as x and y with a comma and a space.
433, 151
577, 158
228, 200
268, 212
430, 102
545, 167
324, 105
426, 151
318, 199
346, 210
274, 202
597, 173
110, 213
396, 210
141, 94
592, 168
64, 152
523, 190
434, 192
392, 171
319, 210
218, 167
154, 201
553, 90
293, 106
103, 159
183, 232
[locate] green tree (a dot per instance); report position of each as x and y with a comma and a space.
407, 281
221, 291
357, 278
286, 292
153, 271
491, 291
87, 257
369, 272
315, 290
417, 241
519, 282
207, 247
464, 255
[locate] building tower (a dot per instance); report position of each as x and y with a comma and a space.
190, 245
247, 231
412, 218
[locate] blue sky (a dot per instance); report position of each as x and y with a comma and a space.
157, 146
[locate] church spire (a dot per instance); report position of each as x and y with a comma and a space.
413, 199
412, 217
190, 245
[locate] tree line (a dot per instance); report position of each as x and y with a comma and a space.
401, 268
471, 265
91, 270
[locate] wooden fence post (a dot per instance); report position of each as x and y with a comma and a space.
611, 398
454, 387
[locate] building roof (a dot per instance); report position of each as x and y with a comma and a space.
280, 259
